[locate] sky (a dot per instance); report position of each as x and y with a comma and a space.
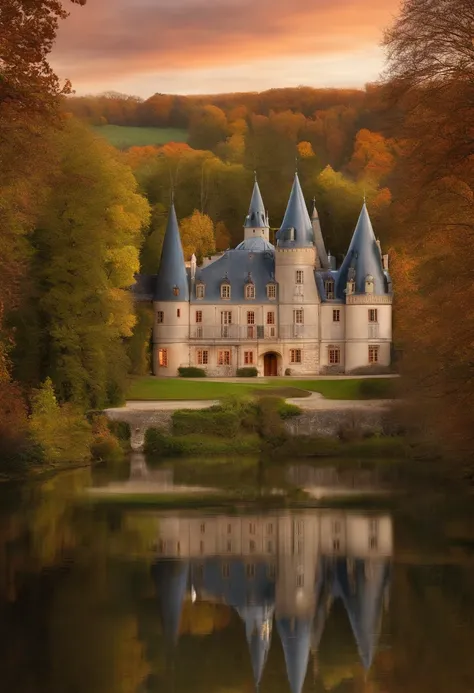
141, 47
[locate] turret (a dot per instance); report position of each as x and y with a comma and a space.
365, 287
258, 630
256, 227
296, 230
171, 305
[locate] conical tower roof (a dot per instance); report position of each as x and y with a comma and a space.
171, 579
172, 279
258, 630
297, 218
256, 218
364, 258
295, 636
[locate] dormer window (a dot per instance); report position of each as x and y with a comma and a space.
329, 288
271, 291
175, 290
369, 284
225, 291
250, 291
200, 290
350, 287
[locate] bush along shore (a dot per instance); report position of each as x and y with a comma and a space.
246, 426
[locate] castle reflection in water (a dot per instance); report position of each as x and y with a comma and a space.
283, 569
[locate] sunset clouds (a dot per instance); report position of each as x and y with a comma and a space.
222, 44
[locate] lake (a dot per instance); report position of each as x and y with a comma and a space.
330, 589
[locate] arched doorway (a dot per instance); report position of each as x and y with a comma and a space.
270, 363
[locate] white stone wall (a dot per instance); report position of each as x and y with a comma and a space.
360, 333
173, 335
257, 232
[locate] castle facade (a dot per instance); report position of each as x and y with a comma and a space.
283, 309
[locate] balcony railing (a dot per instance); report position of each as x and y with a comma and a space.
253, 332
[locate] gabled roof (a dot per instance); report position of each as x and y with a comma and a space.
172, 279
256, 218
295, 636
297, 218
363, 257
235, 266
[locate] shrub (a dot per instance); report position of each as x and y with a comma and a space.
215, 421
270, 425
288, 411
107, 449
121, 430
158, 443
247, 372
191, 372
288, 371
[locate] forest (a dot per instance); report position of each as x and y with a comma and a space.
78, 218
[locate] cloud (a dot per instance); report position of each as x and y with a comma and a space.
122, 38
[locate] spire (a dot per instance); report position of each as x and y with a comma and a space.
314, 213
171, 579
296, 229
364, 258
258, 631
295, 636
318, 238
256, 217
172, 280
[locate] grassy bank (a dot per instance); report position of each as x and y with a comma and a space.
123, 137
150, 388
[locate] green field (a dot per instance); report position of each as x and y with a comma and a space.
150, 388
123, 137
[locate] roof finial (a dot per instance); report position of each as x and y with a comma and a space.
255, 175
365, 197
296, 164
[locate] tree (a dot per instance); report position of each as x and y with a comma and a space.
373, 157
197, 235
222, 236
86, 255
208, 126
431, 68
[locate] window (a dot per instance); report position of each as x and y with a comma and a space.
229, 529
225, 570
299, 527
163, 358
298, 316
270, 318
373, 315
334, 355
373, 353
252, 546
229, 547
224, 357
270, 528
271, 291
226, 320
160, 316
336, 316
202, 357
336, 545
248, 358
199, 290
250, 317
300, 580
373, 543
250, 570
252, 528
225, 291
269, 546
178, 312
203, 528
250, 291
295, 355
329, 288
199, 316
299, 277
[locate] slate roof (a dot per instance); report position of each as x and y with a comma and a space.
297, 218
257, 216
363, 256
171, 579
235, 266
256, 245
295, 636
172, 272
144, 287
259, 643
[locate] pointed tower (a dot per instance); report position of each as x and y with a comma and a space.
258, 630
295, 264
364, 285
170, 578
256, 227
322, 260
171, 305
295, 636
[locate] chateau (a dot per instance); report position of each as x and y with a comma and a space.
283, 309
284, 569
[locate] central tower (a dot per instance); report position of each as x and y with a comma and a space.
256, 222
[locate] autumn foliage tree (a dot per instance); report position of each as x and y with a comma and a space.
431, 72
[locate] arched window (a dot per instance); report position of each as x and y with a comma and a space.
329, 288
200, 290
249, 291
225, 290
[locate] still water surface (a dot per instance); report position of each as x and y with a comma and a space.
96, 598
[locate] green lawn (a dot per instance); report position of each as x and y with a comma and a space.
150, 388
123, 137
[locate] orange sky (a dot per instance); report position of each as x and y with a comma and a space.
204, 46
